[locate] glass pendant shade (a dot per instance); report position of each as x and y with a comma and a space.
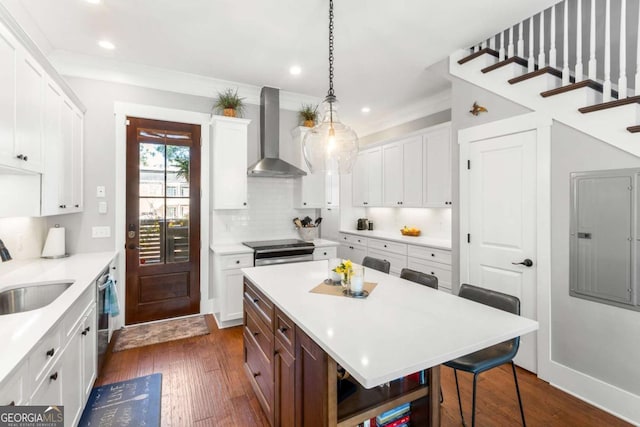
331, 146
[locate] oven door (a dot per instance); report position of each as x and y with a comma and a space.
283, 259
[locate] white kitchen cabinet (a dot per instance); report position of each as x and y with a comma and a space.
228, 284
229, 162
367, 178
30, 85
437, 167
71, 376
8, 60
308, 190
325, 253
14, 390
436, 262
402, 173
353, 252
88, 332
332, 190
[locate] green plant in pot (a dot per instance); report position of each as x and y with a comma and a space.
229, 103
308, 115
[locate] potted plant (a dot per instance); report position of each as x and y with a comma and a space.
229, 103
308, 115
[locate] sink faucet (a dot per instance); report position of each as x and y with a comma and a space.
4, 252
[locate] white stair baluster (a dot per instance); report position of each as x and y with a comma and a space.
520, 40
579, 70
541, 57
565, 46
622, 78
501, 51
483, 45
532, 61
592, 42
510, 47
552, 39
492, 43
606, 91
637, 83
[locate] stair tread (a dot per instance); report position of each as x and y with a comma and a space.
634, 129
513, 59
573, 86
481, 52
610, 104
536, 73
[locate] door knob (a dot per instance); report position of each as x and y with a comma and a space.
132, 246
527, 263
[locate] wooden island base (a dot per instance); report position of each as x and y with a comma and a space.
296, 383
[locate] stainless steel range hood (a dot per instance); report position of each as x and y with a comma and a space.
270, 163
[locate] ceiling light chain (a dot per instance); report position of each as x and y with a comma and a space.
331, 92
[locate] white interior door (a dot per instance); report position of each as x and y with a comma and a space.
502, 224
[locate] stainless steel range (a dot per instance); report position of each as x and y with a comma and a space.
269, 252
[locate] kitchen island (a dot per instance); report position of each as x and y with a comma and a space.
294, 339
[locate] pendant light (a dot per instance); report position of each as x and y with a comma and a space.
331, 146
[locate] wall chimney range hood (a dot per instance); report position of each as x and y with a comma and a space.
270, 164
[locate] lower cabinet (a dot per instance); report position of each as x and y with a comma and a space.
284, 372
227, 281
355, 253
325, 253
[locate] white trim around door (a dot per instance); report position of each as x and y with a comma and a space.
542, 125
121, 111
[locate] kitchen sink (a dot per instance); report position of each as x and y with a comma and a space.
31, 297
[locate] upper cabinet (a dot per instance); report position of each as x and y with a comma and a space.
309, 190
437, 167
41, 130
229, 162
332, 190
414, 171
367, 178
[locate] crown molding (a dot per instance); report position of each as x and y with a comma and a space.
109, 70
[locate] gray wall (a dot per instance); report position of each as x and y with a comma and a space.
414, 125
462, 97
597, 339
99, 149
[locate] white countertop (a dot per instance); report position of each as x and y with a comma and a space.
21, 331
397, 237
239, 248
401, 328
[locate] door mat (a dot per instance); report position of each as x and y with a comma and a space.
325, 289
134, 402
154, 333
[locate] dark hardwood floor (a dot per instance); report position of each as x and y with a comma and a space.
203, 384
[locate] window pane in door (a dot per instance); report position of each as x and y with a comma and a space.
152, 169
152, 230
177, 240
178, 161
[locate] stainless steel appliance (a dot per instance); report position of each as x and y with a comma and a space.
363, 224
269, 252
104, 318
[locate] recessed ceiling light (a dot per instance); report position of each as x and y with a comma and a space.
295, 70
106, 44
365, 109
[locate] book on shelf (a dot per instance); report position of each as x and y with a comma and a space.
393, 414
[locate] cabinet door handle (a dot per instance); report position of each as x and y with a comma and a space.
256, 374
238, 261
433, 254
51, 352
325, 253
77, 206
255, 334
385, 246
54, 376
87, 329
20, 157
255, 300
433, 274
244, 204
12, 403
283, 329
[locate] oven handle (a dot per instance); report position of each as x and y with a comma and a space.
270, 251
272, 261
103, 285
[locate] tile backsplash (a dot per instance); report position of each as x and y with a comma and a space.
434, 222
23, 237
269, 214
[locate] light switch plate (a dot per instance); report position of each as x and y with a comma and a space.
102, 207
101, 232
101, 191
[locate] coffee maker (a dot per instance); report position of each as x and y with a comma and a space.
363, 224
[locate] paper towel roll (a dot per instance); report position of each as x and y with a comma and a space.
54, 247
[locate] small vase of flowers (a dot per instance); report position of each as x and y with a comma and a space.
345, 268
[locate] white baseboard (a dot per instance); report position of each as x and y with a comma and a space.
596, 392
226, 324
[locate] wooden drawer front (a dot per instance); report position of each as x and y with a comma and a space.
257, 329
285, 332
353, 239
430, 254
236, 261
325, 253
260, 372
387, 246
74, 315
398, 262
261, 304
12, 389
44, 353
441, 271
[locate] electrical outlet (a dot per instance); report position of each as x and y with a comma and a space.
101, 232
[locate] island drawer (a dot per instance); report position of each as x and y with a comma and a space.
353, 239
431, 254
259, 371
256, 329
285, 332
254, 299
385, 245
